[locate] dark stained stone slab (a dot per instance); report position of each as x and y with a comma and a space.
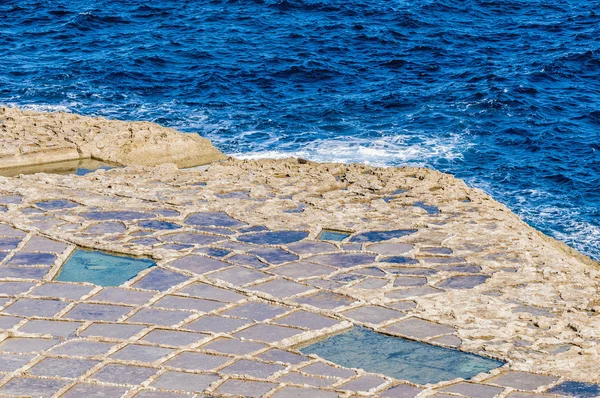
6, 230
246, 367
57, 204
123, 296
275, 256
403, 305
173, 337
80, 390
256, 310
370, 271
144, 241
419, 328
372, 314
213, 252
8, 322
208, 219
23, 272
62, 367
54, 328
25, 258
245, 388
267, 333
188, 303
302, 269
473, 269
198, 264
281, 288
152, 316
277, 355
61, 290
124, 374
245, 259
371, 283
436, 250
273, 237
192, 238
238, 275
116, 215
141, 353
343, 260
120, 331
404, 281
27, 387
23, 344
13, 362
233, 346
522, 380
399, 260
309, 320
14, 288
97, 312
9, 243
474, 390
35, 307
160, 279
462, 282
210, 292
216, 324
390, 249
109, 227
378, 236
172, 380
311, 247
82, 348
325, 300
197, 361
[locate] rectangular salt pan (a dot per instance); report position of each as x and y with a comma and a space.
399, 358
101, 268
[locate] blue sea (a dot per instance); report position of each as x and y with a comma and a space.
504, 94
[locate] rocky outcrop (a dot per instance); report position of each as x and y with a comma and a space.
31, 138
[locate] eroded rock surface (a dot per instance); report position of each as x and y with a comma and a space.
31, 138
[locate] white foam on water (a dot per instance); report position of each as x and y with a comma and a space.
384, 151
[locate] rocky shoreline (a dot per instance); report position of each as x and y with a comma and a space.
422, 256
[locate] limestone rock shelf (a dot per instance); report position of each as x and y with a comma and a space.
31, 138
257, 258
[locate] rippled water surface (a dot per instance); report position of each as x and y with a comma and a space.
505, 94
